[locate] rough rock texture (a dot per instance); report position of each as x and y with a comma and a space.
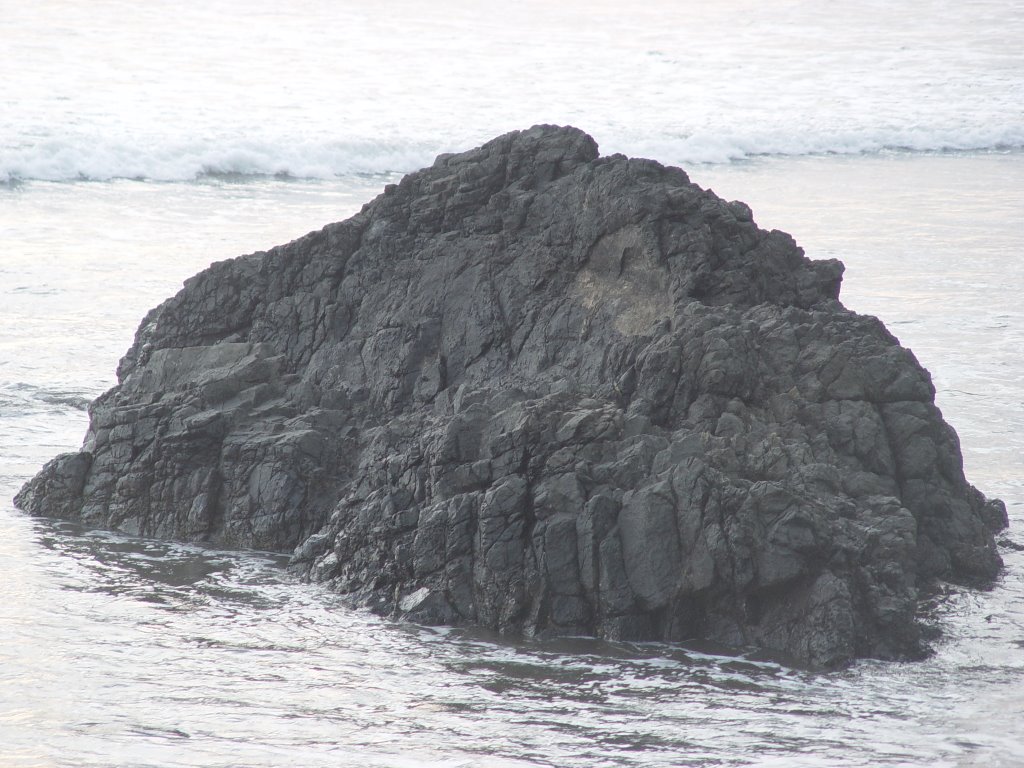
545, 392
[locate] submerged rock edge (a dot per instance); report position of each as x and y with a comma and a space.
546, 392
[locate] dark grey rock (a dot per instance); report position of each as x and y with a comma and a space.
545, 392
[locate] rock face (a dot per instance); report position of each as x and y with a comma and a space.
545, 392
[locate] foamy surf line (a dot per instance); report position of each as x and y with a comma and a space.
85, 160
99, 161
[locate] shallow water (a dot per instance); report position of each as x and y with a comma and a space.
162, 654
218, 128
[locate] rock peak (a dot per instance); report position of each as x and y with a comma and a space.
545, 151
546, 392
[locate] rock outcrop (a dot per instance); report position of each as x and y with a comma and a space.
546, 392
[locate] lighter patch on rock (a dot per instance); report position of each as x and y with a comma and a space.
623, 278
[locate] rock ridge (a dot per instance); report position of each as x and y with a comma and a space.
546, 392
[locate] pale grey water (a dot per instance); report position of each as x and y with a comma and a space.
167, 89
121, 652
118, 651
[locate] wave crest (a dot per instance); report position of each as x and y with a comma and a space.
81, 160
84, 159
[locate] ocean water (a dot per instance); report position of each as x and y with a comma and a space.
141, 141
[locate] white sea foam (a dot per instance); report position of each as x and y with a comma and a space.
82, 159
727, 146
79, 158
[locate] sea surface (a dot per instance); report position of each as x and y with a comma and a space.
139, 142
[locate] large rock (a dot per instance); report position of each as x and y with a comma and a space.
545, 392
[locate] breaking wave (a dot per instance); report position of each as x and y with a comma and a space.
88, 159
84, 160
